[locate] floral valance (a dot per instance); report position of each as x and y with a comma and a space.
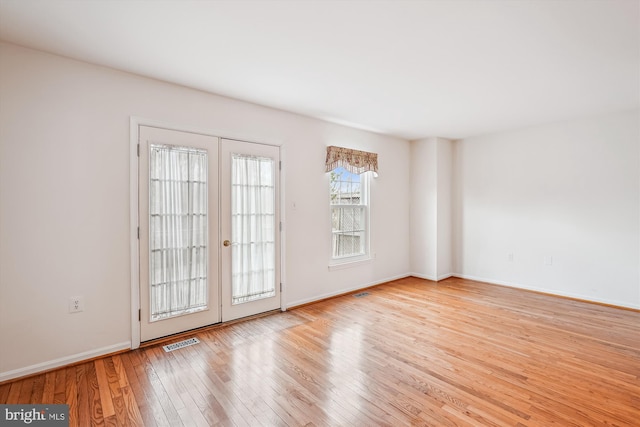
352, 160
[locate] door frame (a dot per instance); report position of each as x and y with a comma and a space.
134, 124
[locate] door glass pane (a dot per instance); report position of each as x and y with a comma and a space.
253, 228
177, 231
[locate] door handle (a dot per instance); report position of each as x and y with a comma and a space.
226, 243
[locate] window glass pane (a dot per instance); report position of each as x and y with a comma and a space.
348, 213
345, 187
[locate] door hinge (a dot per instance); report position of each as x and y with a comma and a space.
280, 287
280, 225
138, 150
138, 233
280, 164
139, 315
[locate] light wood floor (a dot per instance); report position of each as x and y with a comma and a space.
411, 353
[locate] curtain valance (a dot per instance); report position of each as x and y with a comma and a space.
354, 161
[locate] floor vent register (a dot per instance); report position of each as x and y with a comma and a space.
180, 344
361, 294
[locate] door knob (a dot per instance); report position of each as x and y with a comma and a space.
226, 243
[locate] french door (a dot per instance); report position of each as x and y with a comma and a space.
190, 196
250, 231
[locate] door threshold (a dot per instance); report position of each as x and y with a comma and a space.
180, 335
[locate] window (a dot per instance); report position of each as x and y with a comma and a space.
349, 202
349, 171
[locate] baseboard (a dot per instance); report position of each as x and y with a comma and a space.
298, 303
432, 278
424, 276
63, 361
576, 297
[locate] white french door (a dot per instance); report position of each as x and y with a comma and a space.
250, 228
209, 230
178, 214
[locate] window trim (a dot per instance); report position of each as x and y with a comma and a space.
334, 266
348, 261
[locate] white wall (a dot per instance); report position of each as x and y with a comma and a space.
64, 200
445, 208
423, 209
569, 191
431, 208
566, 195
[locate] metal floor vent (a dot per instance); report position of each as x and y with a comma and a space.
361, 294
180, 344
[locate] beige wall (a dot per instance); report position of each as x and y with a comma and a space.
569, 192
64, 200
430, 212
562, 198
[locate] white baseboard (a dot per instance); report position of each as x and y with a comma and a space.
67, 360
548, 291
345, 290
424, 276
432, 278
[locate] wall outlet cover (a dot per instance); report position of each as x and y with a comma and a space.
76, 304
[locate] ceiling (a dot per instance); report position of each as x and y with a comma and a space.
413, 69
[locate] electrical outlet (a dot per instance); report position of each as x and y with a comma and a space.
510, 257
548, 260
76, 304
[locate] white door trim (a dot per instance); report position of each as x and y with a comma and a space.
134, 243
133, 232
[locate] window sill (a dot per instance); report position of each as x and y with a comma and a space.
340, 265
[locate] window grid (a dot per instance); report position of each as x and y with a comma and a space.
349, 214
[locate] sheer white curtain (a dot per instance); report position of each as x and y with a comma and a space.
177, 230
253, 228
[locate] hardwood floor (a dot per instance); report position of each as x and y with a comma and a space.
411, 353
